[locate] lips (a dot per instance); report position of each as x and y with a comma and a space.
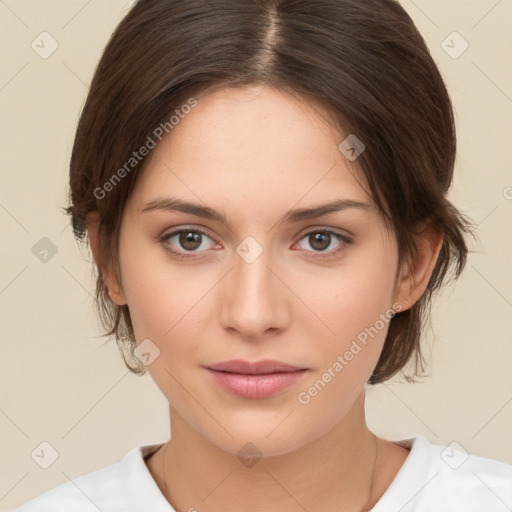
254, 368
255, 380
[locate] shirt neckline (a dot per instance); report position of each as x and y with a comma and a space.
148, 495
406, 478
148, 492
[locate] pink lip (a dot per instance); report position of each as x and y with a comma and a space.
256, 368
261, 379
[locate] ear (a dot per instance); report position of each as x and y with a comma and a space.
115, 291
414, 275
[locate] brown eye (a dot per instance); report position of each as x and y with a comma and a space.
321, 240
190, 240
184, 243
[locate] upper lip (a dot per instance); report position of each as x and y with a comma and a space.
253, 368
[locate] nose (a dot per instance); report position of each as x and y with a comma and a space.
254, 298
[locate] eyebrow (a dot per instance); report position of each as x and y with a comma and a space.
292, 216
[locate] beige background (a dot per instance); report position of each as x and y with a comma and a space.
63, 386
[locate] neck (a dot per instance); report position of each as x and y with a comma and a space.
334, 471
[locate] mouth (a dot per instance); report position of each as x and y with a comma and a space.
255, 380
264, 367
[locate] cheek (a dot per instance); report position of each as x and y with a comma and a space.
160, 295
162, 307
165, 307
354, 305
350, 298
346, 360
366, 295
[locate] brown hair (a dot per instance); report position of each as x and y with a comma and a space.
363, 60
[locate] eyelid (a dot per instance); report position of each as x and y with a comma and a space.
178, 229
338, 231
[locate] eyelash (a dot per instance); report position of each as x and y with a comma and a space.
316, 255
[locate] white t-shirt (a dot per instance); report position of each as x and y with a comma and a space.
433, 478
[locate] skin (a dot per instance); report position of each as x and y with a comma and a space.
253, 154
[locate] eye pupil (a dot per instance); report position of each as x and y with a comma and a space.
190, 240
318, 240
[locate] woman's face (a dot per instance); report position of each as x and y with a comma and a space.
253, 282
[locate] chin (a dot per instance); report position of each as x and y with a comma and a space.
265, 435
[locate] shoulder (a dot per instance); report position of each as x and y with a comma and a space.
112, 488
446, 478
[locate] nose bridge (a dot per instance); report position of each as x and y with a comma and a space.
253, 302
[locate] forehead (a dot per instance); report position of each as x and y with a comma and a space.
256, 146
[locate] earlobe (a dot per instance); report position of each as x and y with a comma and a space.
117, 297
114, 290
415, 275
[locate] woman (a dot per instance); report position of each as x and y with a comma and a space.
263, 185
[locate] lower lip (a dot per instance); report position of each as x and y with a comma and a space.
256, 386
